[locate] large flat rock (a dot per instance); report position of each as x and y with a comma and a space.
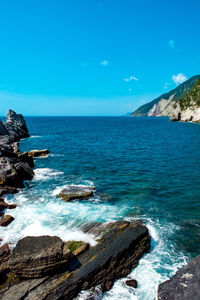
72, 192
184, 285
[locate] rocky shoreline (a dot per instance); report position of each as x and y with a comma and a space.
47, 267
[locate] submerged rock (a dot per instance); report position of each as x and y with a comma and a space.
73, 192
39, 153
184, 285
6, 220
35, 257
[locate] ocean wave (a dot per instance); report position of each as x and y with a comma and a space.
155, 267
45, 173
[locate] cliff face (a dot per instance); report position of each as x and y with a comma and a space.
180, 104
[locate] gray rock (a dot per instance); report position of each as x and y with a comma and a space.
184, 285
35, 257
73, 192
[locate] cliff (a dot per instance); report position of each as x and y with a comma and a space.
180, 104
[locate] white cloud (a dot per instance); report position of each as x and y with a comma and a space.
179, 78
130, 79
104, 63
167, 85
171, 43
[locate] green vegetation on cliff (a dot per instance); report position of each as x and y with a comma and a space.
179, 94
191, 97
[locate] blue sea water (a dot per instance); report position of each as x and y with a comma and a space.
142, 168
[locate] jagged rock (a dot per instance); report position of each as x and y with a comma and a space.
184, 285
39, 153
6, 220
132, 283
35, 257
73, 192
25, 157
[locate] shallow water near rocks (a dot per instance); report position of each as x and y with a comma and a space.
142, 168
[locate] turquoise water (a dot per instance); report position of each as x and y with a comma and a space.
142, 168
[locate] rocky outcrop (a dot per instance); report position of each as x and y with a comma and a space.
184, 285
15, 167
73, 192
35, 257
39, 153
119, 249
180, 104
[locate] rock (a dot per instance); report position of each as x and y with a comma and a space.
24, 156
132, 283
3, 204
35, 257
7, 190
184, 285
39, 153
119, 249
6, 220
77, 247
73, 192
4, 256
117, 252
12, 206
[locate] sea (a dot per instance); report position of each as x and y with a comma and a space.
143, 168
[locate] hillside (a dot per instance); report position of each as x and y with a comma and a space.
181, 103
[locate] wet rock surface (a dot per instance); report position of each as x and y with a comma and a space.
118, 250
39, 153
184, 285
35, 257
73, 192
6, 220
132, 283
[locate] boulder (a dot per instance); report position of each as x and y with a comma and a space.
35, 257
39, 153
73, 192
184, 285
6, 220
132, 283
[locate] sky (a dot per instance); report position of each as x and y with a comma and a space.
94, 57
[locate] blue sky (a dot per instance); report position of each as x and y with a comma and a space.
94, 57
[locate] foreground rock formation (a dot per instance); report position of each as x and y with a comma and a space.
35, 257
73, 192
119, 248
180, 104
184, 285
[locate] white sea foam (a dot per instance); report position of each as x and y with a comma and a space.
154, 268
35, 136
45, 173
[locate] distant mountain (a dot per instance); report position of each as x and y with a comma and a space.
181, 103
